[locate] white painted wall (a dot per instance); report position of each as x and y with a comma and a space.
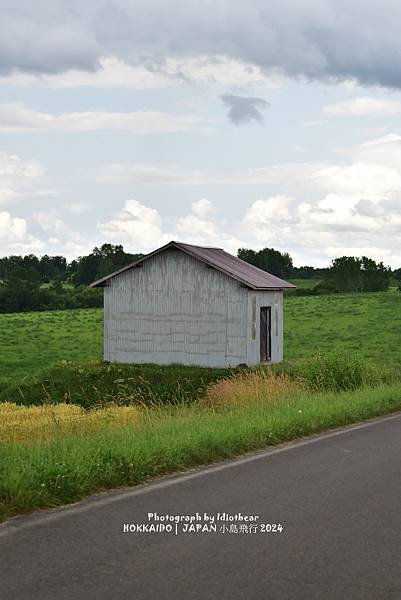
175, 309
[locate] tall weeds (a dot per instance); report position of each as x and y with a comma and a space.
251, 387
339, 371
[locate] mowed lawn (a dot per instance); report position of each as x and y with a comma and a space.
367, 323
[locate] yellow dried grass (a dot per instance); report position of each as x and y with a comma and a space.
33, 423
261, 387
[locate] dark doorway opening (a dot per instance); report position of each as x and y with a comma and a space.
265, 333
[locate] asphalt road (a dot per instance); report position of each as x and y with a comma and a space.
337, 497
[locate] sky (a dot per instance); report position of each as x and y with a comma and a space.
228, 124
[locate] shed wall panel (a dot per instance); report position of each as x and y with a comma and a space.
257, 299
176, 309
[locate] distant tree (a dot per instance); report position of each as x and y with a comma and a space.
52, 267
375, 276
352, 274
308, 272
21, 289
397, 276
345, 274
100, 262
86, 271
270, 260
248, 255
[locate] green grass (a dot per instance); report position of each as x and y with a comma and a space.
43, 474
94, 384
31, 341
69, 467
368, 323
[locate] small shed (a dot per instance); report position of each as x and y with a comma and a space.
192, 305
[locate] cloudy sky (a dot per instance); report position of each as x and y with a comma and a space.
221, 123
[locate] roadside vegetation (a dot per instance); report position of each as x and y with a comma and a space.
76, 426
72, 462
49, 421
93, 384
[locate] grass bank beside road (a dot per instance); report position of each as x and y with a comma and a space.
46, 473
71, 425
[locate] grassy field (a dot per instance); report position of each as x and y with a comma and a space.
367, 323
31, 341
147, 420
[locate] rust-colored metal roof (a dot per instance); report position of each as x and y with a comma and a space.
219, 259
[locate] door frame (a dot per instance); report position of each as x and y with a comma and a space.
265, 333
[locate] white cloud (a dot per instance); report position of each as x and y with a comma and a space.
326, 228
203, 208
12, 229
384, 151
364, 106
334, 209
15, 237
271, 219
51, 222
114, 72
364, 178
111, 72
16, 118
18, 177
136, 225
198, 224
141, 228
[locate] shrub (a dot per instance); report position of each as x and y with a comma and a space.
339, 371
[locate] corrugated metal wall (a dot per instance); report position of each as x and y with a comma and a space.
174, 309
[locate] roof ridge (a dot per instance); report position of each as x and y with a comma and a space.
249, 275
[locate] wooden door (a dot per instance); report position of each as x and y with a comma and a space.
265, 333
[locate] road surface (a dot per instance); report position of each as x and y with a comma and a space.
337, 497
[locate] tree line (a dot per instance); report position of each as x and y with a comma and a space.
345, 274
51, 282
